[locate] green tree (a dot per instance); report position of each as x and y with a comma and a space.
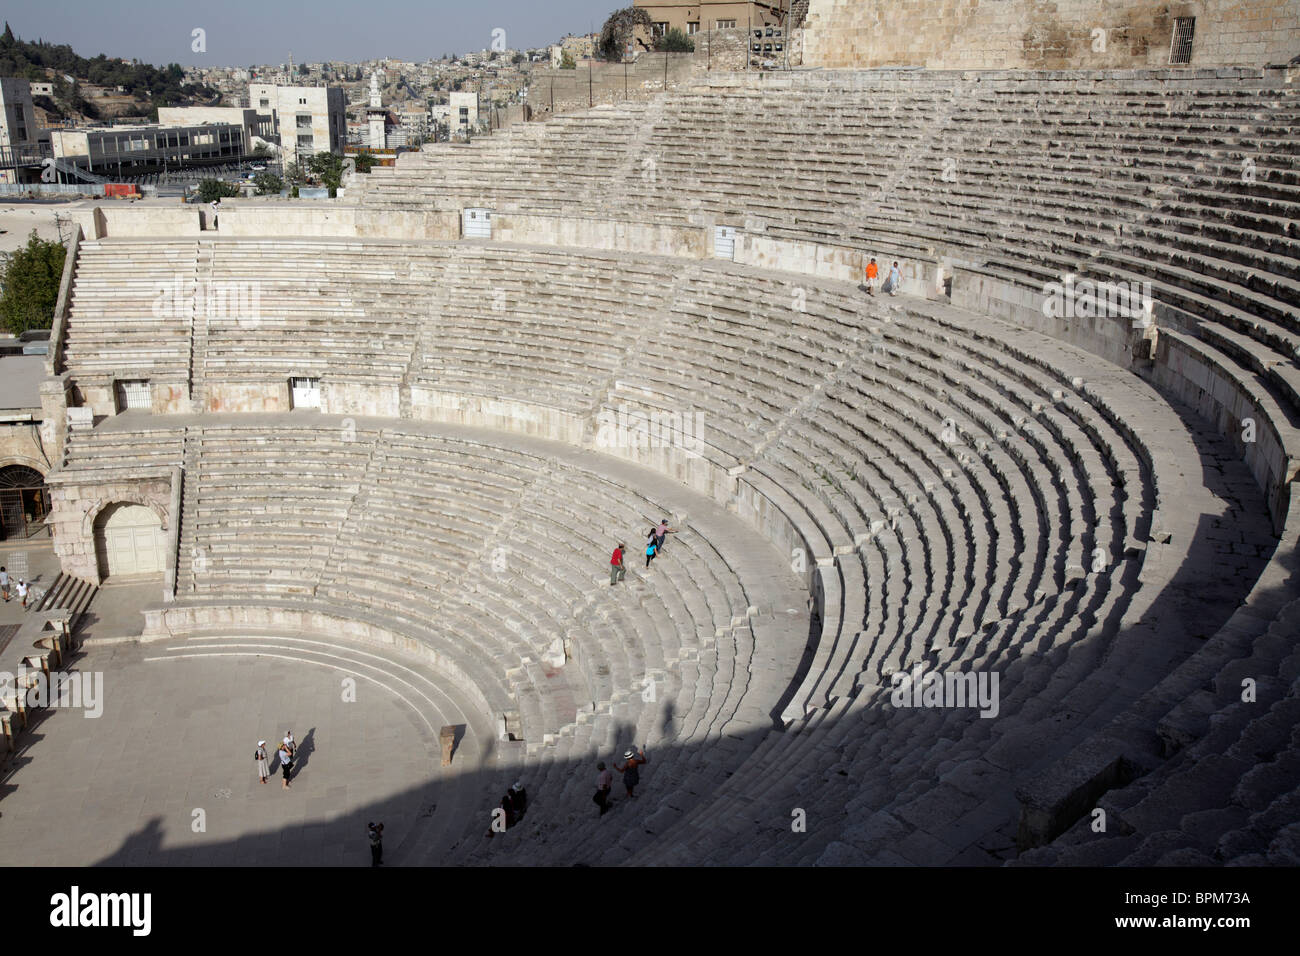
213, 189
268, 184
566, 61
365, 162
29, 284
618, 30
675, 41
294, 174
328, 168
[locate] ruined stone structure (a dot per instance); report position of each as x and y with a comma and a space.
1057, 471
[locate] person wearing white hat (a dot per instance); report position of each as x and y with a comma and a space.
631, 776
263, 766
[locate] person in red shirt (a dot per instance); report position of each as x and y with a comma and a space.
616, 569
631, 777
872, 271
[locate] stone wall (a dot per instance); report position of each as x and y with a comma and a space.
75, 505
23, 444
1033, 34
597, 83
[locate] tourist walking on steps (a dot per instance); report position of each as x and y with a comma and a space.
604, 784
894, 281
872, 274
616, 569
650, 547
631, 777
375, 834
518, 799
263, 765
286, 764
508, 815
661, 534
4, 584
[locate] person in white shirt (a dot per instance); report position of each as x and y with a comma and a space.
263, 766
4, 584
22, 591
286, 763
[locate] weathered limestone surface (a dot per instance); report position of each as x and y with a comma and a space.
1026, 34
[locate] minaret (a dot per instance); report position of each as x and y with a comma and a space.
376, 115
291, 74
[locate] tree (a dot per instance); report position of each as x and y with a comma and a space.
365, 162
328, 168
294, 175
566, 61
214, 189
675, 41
619, 29
29, 284
261, 151
268, 184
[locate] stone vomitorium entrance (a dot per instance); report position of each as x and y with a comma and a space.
113, 529
129, 540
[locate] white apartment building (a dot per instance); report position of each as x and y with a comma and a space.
307, 119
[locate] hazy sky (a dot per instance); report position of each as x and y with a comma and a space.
243, 32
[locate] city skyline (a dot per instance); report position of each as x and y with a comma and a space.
241, 33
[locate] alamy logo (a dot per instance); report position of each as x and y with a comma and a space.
215, 300
74, 909
1087, 299
81, 690
636, 429
922, 688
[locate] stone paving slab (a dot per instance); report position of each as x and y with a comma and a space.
178, 735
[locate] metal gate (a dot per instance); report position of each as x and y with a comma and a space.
24, 502
477, 223
724, 242
134, 395
305, 392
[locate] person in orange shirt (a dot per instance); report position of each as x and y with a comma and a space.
873, 272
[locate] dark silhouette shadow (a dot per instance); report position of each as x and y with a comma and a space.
304, 752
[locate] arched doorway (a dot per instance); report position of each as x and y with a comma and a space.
24, 502
129, 540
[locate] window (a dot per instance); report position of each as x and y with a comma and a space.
658, 29
1180, 47
304, 121
692, 29
264, 104
305, 141
724, 24
302, 101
